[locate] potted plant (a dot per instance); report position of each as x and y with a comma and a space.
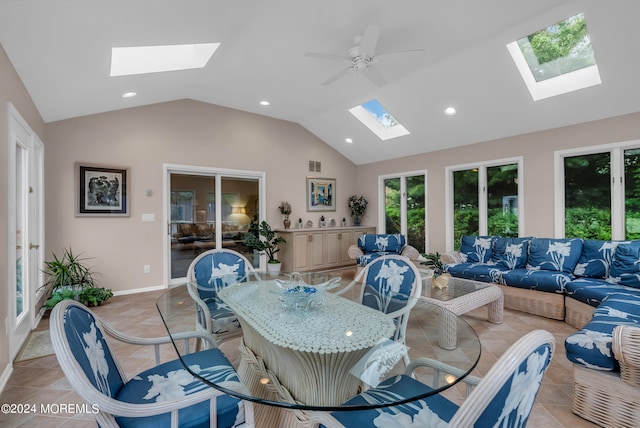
68, 277
285, 210
262, 238
358, 205
432, 261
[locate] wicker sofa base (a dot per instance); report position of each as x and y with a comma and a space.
548, 305
602, 398
578, 314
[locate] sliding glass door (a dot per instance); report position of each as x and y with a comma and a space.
209, 209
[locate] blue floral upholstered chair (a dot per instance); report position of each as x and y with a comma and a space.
213, 270
390, 284
503, 398
166, 395
373, 245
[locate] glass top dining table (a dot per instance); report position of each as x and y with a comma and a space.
307, 343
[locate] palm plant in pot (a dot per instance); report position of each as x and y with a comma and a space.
263, 239
68, 277
440, 279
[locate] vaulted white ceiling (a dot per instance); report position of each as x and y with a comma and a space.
61, 50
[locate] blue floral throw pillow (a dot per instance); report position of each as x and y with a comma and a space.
511, 253
554, 254
625, 268
477, 248
596, 258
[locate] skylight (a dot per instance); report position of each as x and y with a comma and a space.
155, 59
557, 59
375, 117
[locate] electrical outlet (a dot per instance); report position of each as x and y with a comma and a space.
147, 268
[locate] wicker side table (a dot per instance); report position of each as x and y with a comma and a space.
461, 296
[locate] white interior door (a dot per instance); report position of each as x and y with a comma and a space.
25, 174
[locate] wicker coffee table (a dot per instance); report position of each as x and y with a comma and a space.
459, 297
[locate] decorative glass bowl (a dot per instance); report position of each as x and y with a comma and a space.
298, 295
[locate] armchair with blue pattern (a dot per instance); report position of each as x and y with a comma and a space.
504, 397
389, 284
371, 246
212, 271
166, 395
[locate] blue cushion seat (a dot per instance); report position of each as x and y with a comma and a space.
400, 386
476, 271
592, 291
537, 279
171, 380
591, 346
509, 407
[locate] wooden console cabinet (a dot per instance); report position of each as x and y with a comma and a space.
318, 248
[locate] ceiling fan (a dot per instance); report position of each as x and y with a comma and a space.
362, 57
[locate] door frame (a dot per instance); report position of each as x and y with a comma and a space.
32, 237
168, 169
403, 201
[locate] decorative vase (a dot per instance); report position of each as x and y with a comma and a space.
287, 222
356, 221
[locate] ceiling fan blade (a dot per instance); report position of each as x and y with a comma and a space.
400, 55
374, 75
336, 76
369, 40
327, 56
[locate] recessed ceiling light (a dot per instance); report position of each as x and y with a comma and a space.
154, 59
129, 94
265, 103
348, 140
450, 111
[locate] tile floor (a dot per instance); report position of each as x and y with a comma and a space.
41, 380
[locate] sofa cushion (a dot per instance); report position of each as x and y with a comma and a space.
593, 291
510, 253
625, 268
475, 271
389, 243
554, 254
536, 279
591, 346
477, 249
597, 256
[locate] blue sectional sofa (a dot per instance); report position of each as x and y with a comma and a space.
594, 285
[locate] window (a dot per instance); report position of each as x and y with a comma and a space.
484, 199
598, 197
375, 117
405, 207
557, 59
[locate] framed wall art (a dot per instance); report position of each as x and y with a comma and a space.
321, 194
101, 190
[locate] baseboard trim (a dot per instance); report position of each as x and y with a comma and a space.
4, 378
139, 290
